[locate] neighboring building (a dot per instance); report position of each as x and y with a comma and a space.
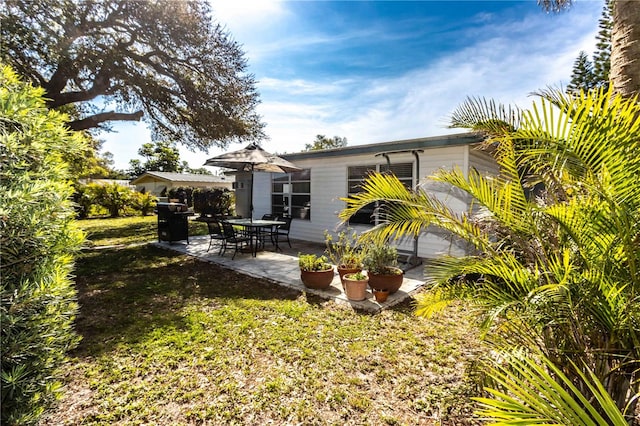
157, 182
312, 196
121, 182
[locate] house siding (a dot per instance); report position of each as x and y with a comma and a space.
329, 184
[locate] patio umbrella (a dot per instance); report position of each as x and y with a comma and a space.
250, 159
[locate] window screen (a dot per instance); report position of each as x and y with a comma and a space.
357, 174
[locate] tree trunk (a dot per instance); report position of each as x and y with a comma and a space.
625, 48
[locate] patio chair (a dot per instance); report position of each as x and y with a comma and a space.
267, 232
215, 233
284, 229
232, 237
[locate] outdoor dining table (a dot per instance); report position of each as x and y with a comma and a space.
252, 227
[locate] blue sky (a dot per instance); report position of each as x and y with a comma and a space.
387, 70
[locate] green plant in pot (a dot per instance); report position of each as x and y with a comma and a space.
315, 271
344, 252
381, 263
355, 285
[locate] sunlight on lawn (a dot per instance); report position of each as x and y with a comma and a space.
168, 339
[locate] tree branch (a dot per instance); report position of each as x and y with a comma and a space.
97, 119
100, 85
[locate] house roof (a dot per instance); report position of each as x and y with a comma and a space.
182, 177
393, 146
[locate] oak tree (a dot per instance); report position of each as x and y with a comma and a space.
167, 62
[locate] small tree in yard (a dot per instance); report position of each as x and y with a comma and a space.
37, 240
113, 197
144, 203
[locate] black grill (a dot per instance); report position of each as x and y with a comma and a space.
173, 223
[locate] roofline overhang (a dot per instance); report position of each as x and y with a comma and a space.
393, 146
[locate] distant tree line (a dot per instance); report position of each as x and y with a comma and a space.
323, 142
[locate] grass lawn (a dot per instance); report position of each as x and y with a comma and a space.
128, 230
170, 340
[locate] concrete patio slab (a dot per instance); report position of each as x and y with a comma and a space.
282, 268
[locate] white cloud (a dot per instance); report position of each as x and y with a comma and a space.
418, 103
245, 15
501, 62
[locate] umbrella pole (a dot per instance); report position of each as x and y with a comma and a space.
251, 196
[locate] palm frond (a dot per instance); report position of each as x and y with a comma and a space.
534, 391
484, 115
407, 212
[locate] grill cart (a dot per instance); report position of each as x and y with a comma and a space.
173, 222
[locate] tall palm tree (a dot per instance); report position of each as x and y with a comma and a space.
625, 43
556, 265
625, 48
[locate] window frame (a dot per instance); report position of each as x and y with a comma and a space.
300, 210
380, 168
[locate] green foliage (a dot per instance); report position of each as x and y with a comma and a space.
602, 55
345, 252
144, 203
159, 157
582, 77
311, 262
207, 201
113, 197
95, 199
358, 276
167, 61
323, 142
36, 244
381, 258
587, 75
556, 262
182, 193
532, 390
83, 198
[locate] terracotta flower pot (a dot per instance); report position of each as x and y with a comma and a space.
342, 271
391, 282
380, 295
319, 280
355, 289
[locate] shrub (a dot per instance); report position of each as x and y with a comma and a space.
36, 244
556, 265
182, 193
83, 199
142, 202
213, 201
113, 197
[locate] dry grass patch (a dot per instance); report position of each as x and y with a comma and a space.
168, 339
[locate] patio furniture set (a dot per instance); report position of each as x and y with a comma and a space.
248, 234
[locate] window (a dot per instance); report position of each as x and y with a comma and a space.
357, 174
403, 171
291, 195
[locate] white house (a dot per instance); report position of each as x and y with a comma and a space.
157, 182
312, 196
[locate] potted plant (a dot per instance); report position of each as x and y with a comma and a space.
355, 285
344, 253
315, 272
381, 263
380, 294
